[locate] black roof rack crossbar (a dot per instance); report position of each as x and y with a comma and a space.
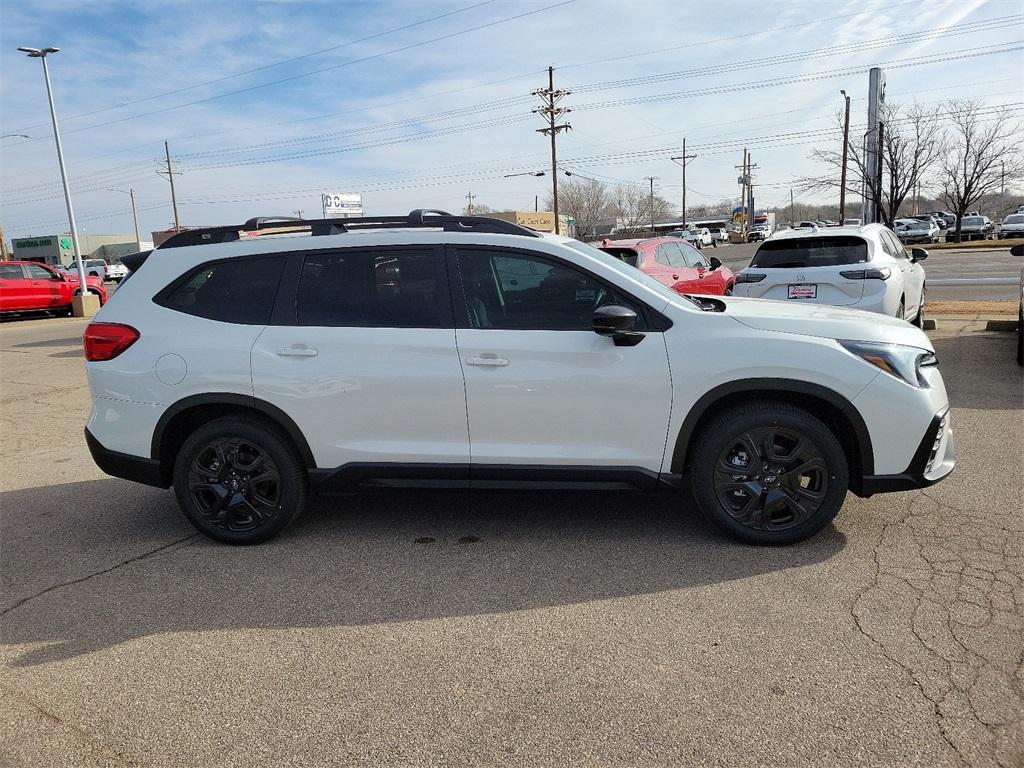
418, 219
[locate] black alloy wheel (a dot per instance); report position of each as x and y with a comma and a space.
771, 479
234, 484
240, 480
768, 473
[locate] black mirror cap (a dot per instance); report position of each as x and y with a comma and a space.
715, 262
1017, 250
613, 319
919, 254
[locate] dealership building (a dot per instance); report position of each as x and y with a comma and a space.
58, 249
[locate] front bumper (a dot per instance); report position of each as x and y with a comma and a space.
124, 465
933, 461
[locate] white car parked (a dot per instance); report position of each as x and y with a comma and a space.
116, 272
1012, 226
864, 268
249, 368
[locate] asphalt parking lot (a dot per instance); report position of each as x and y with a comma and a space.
540, 629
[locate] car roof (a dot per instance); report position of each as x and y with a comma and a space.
862, 230
639, 242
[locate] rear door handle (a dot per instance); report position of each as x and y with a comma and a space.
297, 352
492, 362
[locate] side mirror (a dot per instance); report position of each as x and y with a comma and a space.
616, 322
918, 254
1017, 250
715, 262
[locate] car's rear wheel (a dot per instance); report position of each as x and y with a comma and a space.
239, 480
769, 473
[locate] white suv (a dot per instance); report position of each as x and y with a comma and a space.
248, 369
864, 267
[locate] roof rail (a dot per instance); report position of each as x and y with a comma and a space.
421, 218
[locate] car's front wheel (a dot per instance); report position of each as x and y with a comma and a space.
769, 473
239, 480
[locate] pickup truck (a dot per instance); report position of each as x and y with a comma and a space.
27, 286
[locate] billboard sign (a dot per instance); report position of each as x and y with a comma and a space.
342, 205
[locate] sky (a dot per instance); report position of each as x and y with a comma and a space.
268, 105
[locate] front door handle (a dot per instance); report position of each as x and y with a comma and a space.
493, 362
297, 352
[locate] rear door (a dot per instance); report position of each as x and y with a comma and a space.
541, 387
14, 288
361, 355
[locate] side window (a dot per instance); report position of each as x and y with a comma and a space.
374, 288
11, 272
895, 247
664, 255
234, 291
36, 272
691, 255
518, 291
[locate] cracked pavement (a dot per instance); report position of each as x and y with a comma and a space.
440, 628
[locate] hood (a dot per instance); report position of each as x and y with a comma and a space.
823, 320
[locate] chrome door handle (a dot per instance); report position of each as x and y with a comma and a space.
297, 352
493, 362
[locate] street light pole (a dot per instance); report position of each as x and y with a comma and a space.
42, 53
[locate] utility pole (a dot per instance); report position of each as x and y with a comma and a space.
652, 179
552, 112
878, 174
170, 173
846, 145
682, 160
792, 216
298, 214
470, 197
746, 181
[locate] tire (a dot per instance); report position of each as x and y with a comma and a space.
728, 290
1020, 335
780, 505
919, 319
239, 480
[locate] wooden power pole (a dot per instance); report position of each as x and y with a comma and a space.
682, 160
170, 173
552, 113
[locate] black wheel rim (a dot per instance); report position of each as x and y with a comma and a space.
771, 479
234, 484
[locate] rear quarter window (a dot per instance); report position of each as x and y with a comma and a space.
805, 252
238, 291
625, 255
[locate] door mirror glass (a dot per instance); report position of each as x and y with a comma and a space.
715, 262
918, 254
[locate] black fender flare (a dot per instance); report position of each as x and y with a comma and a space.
861, 436
272, 412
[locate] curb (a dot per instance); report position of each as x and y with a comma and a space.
1001, 325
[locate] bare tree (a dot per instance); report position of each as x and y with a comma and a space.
631, 206
585, 200
983, 156
912, 142
479, 209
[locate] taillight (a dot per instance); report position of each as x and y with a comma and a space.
105, 341
749, 277
867, 274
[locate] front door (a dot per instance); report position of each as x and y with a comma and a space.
365, 363
44, 286
541, 387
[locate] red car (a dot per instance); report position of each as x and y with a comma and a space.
28, 285
675, 263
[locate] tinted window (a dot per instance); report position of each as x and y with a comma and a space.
236, 291
1015, 219
666, 255
37, 272
810, 252
372, 289
627, 255
973, 220
892, 245
11, 272
519, 291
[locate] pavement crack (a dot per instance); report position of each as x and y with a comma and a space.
163, 549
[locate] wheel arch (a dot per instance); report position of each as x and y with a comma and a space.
184, 416
838, 413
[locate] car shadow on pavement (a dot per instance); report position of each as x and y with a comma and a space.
980, 370
354, 559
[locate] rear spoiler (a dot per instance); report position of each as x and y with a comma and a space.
135, 260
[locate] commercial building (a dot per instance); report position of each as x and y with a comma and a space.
541, 221
58, 249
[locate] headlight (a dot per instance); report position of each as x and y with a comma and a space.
897, 360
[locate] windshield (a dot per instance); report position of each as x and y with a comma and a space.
973, 220
920, 225
1015, 219
628, 255
619, 266
810, 252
